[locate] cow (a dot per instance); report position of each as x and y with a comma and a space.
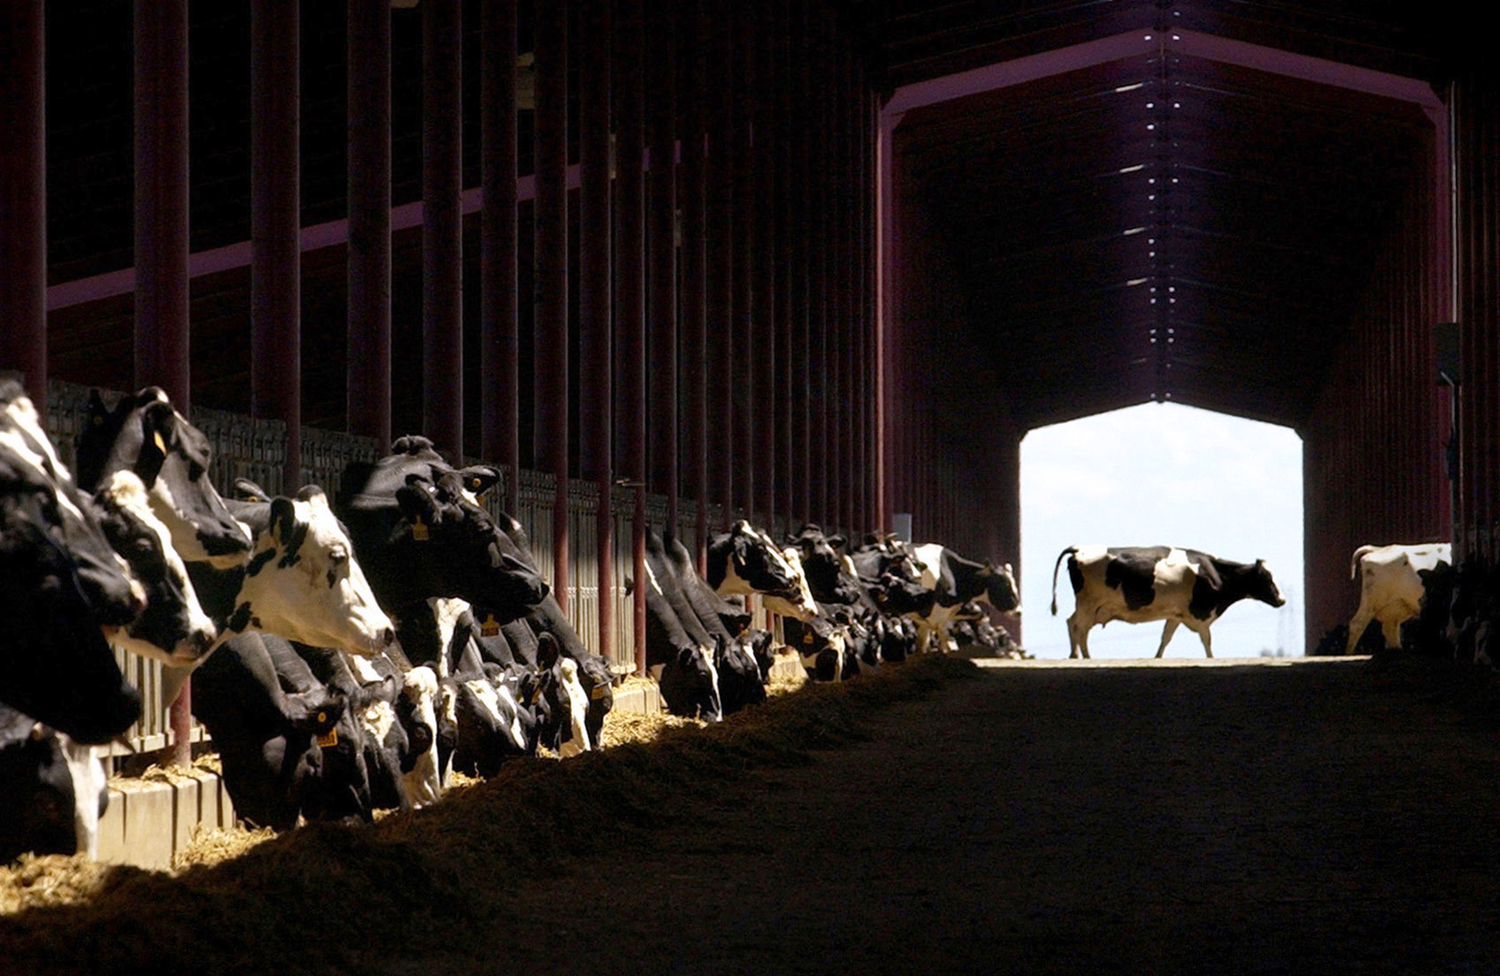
1390, 589
145, 434
420, 533
1137, 585
271, 740
52, 790
302, 581
745, 560
954, 581
62, 588
172, 628
684, 669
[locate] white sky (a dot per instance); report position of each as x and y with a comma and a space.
1163, 474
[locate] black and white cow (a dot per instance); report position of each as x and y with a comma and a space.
302, 581
1138, 585
1391, 589
62, 588
268, 737
420, 533
52, 790
745, 561
954, 582
683, 668
145, 434
173, 627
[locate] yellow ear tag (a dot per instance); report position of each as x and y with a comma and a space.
475, 483
598, 692
330, 738
161, 445
419, 530
807, 638
322, 717
490, 627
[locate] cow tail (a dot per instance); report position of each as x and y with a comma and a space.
1066, 552
1358, 555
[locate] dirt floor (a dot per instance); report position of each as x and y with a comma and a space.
1233, 817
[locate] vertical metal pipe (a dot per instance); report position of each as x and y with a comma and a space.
442, 226
161, 233
368, 391
789, 276
630, 277
723, 272
275, 225
661, 71
596, 416
552, 271
769, 390
499, 349
693, 340
23, 195
885, 224
747, 175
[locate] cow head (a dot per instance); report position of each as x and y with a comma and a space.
1001, 591
745, 561
1262, 587
303, 582
690, 685
421, 533
740, 680
29, 465
146, 435
54, 789
568, 703
173, 628
60, 584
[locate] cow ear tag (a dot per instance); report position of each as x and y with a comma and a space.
490, 627
598, 692
329, 738
419, 530
161, 445
807, 638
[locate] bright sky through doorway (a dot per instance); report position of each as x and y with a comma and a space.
1163, 474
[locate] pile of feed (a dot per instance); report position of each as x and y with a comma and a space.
324, 897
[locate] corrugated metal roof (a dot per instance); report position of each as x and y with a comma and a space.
1169, 224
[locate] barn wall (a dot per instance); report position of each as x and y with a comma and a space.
954, 449
1373, 458
1476, 122
736, 252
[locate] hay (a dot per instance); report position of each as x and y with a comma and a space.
213, 845
350, 896
52, 879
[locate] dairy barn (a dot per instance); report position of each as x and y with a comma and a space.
579, 313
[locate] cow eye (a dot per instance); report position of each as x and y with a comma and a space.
338, 557
142, 545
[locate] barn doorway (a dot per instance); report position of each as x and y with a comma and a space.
1163, 474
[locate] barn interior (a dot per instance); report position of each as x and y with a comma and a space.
1029, 212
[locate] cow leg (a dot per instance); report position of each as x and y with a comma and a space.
1391, 631
1166, 636
1078, 637
1362, 618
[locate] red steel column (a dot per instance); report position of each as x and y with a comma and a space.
694, 337
662, 345
368, 395
23, 195
161, 233
788, 220
769, 392
499, 346
442, 227
596, 394
552, 271
275, 225
630, 277
747, 259
723, 273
